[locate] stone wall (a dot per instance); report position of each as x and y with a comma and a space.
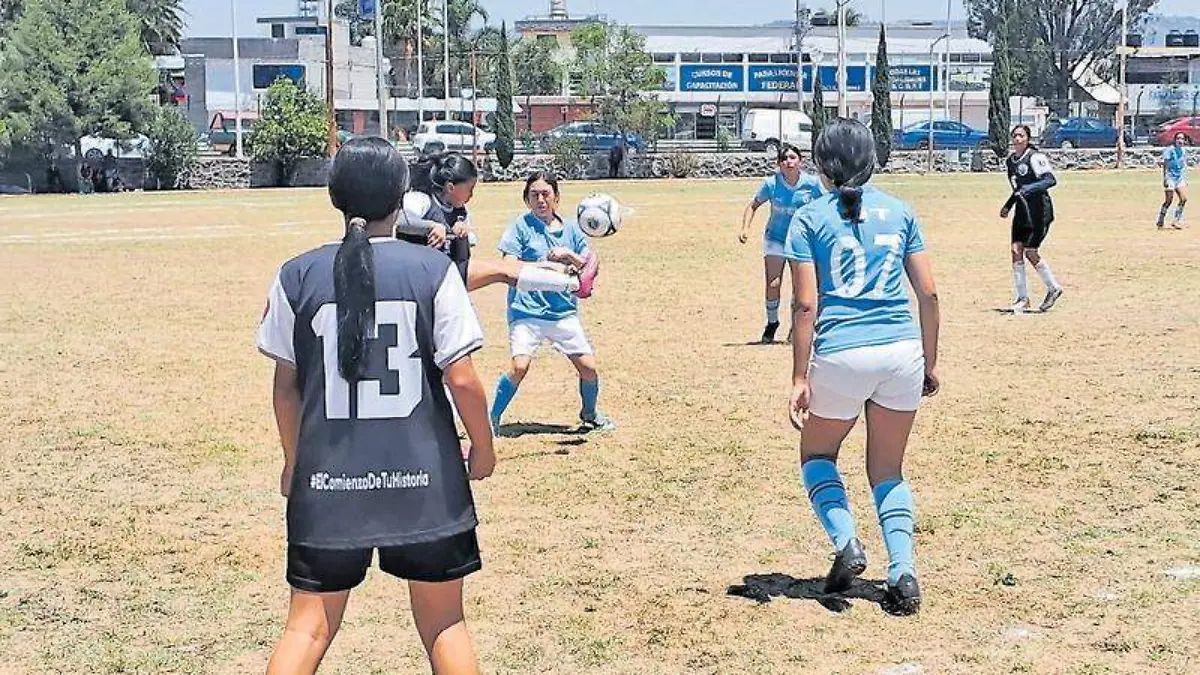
229, 173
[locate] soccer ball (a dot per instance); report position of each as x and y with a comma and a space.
599, 215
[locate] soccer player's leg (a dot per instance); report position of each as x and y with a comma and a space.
773, 265
1168, 199
524, 338
1181, 191
569, 338
321, 580
523, 276
1054, 290
890, 413
836, 400
1020, 280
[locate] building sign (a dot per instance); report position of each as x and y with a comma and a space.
265, 76
970, 78
713, 78
912, 78
366, 8
856, 78
708, 110
773, 78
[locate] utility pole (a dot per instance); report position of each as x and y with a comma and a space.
420, 64
380, 78
1123, 89
237, 82
843, 103
446, 57
801, 29
949, 35
331, 119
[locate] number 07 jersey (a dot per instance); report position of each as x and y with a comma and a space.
862, 297
378, 462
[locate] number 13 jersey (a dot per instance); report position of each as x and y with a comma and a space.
862, 298
378, 462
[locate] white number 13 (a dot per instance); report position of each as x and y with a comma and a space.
851, 285
372, 403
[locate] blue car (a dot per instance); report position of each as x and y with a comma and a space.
1080, 132
593, 136
947, 135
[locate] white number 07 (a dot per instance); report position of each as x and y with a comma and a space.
852, 285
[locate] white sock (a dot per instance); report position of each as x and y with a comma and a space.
1179, 212
532, 278
1019, 281
1043, 269
772, 311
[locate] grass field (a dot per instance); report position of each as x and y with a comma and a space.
1056, 474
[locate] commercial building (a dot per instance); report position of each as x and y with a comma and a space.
1164, 69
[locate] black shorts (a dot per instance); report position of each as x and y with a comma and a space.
1030, 226
328, 570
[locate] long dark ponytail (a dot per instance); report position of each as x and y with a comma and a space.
366, 183
432, 174
845, 153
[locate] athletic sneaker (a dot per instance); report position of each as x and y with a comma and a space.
850, 562
587, 275
598, 422
1052, 297
768, 335
904, 597
1020, 306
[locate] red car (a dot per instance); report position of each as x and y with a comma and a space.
1164, 134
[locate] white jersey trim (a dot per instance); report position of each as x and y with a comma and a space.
276, 331
456, 329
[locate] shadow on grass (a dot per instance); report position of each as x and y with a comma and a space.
761, 588
536, 429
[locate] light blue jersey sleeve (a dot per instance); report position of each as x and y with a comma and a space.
513, 241
764, 191
798, 246
915, 239
579, 241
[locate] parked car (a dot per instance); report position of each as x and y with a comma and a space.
1164, 134
1081, 132
766, 128
443, 136
593, 136
947, 135
96, 147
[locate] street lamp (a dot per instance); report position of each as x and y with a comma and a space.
237, 82
929, 123
1123, 89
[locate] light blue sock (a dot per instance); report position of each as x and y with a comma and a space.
589, 392
897, 514
772, 311
828, 496
1179, 212
505, 391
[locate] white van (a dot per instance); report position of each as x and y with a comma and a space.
766, 128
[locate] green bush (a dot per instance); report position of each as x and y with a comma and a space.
681, 164
568, 155
724, 139
172, 146
292, 127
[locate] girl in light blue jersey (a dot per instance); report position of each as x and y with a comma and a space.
1175, 162
856, 345
535, 317
787, 191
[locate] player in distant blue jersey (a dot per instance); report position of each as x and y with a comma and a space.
787, 191
849, 253
535, 317
1175, 162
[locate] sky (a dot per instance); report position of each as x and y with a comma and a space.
743, 12
212, 17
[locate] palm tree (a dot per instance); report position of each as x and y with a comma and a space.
400, 34
161, 23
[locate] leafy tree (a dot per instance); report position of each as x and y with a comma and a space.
819, 115
161, 24
1049, 40
291, 127
9, 9
881, 102
172, 145
1000, 93
830, 17
360, 26
505, 125
537, 73
73, 68
614, 70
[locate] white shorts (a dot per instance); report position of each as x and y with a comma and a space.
525, 336
771, 248
1171, 184
892, 376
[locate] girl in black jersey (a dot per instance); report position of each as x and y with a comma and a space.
364, 333
435, 212
1031, 177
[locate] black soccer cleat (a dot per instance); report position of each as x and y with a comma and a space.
903, 598
768, 335
850, 562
